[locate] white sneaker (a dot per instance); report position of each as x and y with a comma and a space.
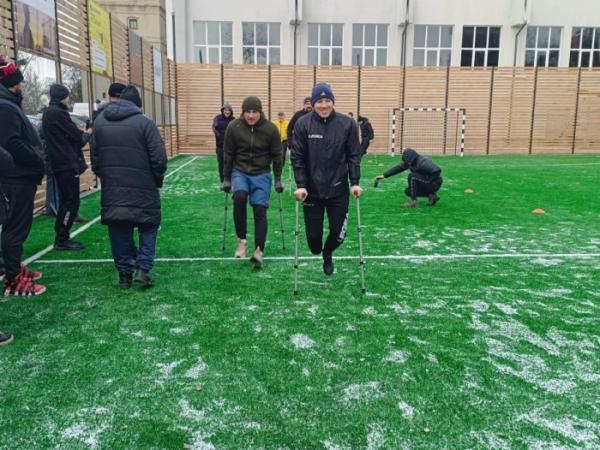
241, 249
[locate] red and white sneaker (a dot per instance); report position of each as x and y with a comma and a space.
32, 275
22, 287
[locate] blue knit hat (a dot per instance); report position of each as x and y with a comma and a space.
321, 90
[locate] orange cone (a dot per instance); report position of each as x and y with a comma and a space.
469, 191
538, 211
380, 165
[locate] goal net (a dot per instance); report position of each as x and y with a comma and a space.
431, 131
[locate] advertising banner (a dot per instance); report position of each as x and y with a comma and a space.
158, 71
36, 26
100, 40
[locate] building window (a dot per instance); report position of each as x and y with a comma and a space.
325, 43
369, 44
480, 47
213, 43
261, 43
133, 23
585, 47
432, 45
542, 46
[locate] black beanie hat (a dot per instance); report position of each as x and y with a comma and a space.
116, 89
252, 102
10, 75
58, 92
409, 155
130, 93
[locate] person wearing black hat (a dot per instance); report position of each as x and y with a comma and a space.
425, 178
366, 134
129, 156
326, 162
64, 144
306, 108
219, 126
19, 138
252, 145
114, 93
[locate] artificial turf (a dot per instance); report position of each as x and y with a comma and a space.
480, 327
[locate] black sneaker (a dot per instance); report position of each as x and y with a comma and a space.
79, 220
143, 277
69, 245
125, 280
6, 338
433, 199
328, 264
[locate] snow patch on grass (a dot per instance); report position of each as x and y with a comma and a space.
190, 413
197, 370
375, 438
81, 432
547, 262
362, 392
397, 357
301, 341
579, 430
178, 330
506, 309
407, 411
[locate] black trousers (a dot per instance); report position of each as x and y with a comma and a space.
364, 146
419, 186
240, 201
16, 229
67, 182
314, 216
220, 162
284, 148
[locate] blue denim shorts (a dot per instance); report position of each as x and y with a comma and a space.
258, 187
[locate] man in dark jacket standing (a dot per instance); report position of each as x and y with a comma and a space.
325, 156
6, 165
18, 138
64, 143
219, 126
425, 178
306, 108
366, 134
252, 144
129, 157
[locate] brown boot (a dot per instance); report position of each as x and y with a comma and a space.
257, 258
241, 249
433, 199
412, 203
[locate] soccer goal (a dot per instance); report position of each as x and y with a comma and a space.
429, 130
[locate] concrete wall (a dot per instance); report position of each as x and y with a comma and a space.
510, 15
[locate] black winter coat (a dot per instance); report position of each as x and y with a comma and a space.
219, 126
64, 141
366, 130
129, 156
6, 166
19, 138
325, 154
252, 149
420, 165
290, 130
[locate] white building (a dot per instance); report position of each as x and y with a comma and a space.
388, 32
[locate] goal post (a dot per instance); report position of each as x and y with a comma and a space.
429, 130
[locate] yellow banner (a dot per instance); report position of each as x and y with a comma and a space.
100, 39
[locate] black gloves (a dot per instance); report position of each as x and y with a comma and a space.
226, 186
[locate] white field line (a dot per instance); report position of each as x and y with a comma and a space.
81, 229
373, 257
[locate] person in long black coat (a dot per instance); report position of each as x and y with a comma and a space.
129, 156
64, 144
6, 165
219, 126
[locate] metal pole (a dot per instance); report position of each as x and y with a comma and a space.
296, 236
281, 222
360, 248
224, 222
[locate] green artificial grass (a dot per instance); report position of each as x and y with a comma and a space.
456, 344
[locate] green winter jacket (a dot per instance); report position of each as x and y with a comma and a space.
252, 149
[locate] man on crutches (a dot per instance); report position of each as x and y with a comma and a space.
326, 159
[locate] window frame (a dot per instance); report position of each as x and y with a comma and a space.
537, 49
319, 48
257, 47
364, 48
426, 49
208, 47
593, 51
474, 48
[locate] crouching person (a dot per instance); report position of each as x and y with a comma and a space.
425, 178
129, 157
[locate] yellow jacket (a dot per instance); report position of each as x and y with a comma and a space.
282, 125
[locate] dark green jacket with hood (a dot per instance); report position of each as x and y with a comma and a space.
252, 149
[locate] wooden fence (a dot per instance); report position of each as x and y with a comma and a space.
509, 110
